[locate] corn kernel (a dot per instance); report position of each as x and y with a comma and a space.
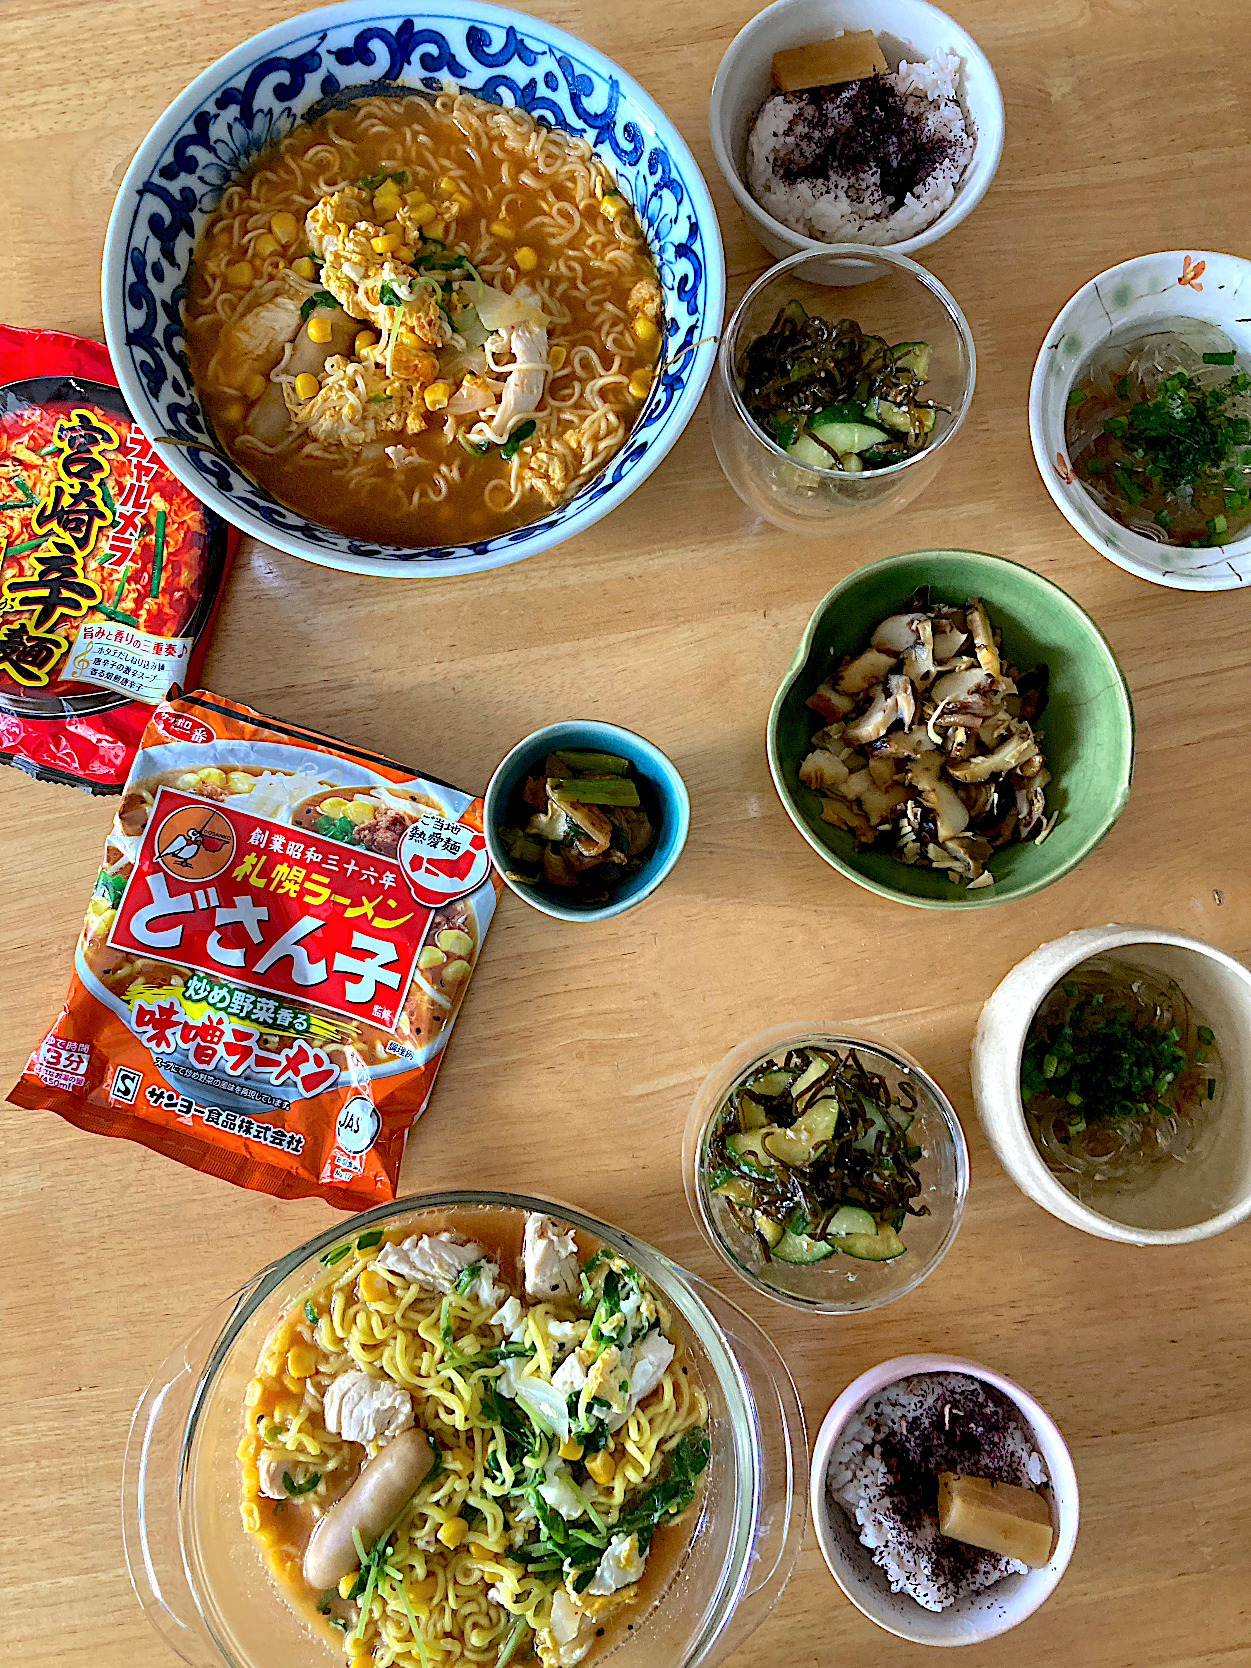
386, 244
212, 777
645, 329
306, 385
238, 781
602, 1467
252, 1520
556, 357
414, 198
447, 183
305, 267
365, 339
387, 199
266, 244
361, 811
284, 226
406, 339
436, 229
462, 202
453, 1532
501, 229
527, 260
570, 1449
437, 395
403, 253
611, 207
301, 1361
319, 331
394, 387
240, 273
430, 957
346, 1584
421, 1592
254, 1393
232, 412
454, 941
424, 213
255, 386
640, 383
334, 806
393, 226
455, 971
373, 1288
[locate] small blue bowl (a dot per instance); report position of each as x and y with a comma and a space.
654, 769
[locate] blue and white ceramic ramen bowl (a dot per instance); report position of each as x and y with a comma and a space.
261, 90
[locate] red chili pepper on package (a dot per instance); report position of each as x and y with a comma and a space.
278, 942
111, 571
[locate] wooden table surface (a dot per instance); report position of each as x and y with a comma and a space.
579, 1049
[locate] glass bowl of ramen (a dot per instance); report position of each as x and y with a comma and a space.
827, 1169
1140, 417
446, 288
409, 1392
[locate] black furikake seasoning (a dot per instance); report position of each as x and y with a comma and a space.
865, 135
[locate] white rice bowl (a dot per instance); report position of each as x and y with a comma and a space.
841, 210
859, 1483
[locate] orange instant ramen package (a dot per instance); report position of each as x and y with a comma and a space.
273, 956
110, 569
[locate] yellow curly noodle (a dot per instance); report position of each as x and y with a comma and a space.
525, 203
135, 978
432, 1606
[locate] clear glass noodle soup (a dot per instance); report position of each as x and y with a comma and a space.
887, 295
203, 1583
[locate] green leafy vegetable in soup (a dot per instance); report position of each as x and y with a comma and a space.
811, 1154
836, 398
1117, 1073
1159, 433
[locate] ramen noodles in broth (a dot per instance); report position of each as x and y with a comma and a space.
423, 320
475, 1439
280, 936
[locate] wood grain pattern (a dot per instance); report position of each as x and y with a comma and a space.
579, 1050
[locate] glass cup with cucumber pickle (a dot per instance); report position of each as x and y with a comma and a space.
827, 1169
840, 381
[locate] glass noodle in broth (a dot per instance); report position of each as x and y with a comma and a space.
423, 320
471, 1441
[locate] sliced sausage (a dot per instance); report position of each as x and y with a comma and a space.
369, 1506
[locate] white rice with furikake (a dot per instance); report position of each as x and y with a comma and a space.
870, 161
884, 1475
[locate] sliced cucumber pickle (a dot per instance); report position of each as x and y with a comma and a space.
850, 1219
798, 1248
880, 1247
747, 1154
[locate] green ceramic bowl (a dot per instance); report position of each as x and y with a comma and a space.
1087, 726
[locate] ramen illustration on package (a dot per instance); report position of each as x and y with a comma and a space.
110, 570
279, 939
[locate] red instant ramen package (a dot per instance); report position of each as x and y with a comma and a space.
274, 954
110, 569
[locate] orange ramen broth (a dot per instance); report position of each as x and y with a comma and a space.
499, 1232
550, 193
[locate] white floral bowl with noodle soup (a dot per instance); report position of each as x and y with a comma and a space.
413, 294
219, 1551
